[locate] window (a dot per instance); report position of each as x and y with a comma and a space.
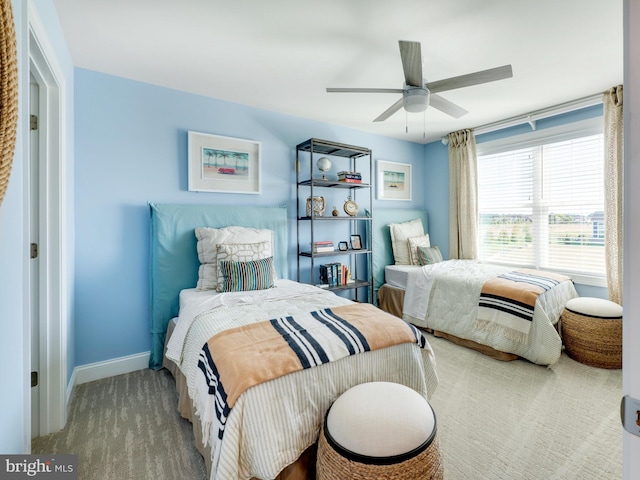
541, 200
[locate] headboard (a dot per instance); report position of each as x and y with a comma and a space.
174, 259
382, 252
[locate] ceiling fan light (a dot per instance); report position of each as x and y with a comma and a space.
416, 100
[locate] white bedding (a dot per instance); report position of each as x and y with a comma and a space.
398, 275
272, 423
444, 297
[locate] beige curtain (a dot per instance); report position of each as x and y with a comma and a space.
613, 144
463, 195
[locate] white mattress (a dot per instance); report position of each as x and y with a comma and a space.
397, 275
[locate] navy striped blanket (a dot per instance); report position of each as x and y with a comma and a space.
236, 359
507, 302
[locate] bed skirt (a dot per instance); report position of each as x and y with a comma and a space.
301, 469
391, 300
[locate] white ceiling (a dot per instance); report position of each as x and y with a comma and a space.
280, 55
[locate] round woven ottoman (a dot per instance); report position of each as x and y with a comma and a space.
592, 331
379, 430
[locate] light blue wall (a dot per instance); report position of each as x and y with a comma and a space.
131, 148
437, 186
13, 381
14, 241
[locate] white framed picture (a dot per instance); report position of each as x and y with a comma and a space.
223, 164
393, 180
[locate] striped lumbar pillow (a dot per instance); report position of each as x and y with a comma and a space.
245, 276
429, 255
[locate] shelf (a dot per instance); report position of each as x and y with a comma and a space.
317, 182
348, 286
334, 253
333, 219
326, 147
309, 225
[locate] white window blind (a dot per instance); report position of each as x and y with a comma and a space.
543, 205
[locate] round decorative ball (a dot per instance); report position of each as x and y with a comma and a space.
324, 165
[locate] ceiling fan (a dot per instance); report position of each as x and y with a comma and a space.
418, 94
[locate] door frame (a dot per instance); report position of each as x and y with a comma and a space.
631, 233
34, 264
54, 285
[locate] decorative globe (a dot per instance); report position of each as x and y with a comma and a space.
324, 165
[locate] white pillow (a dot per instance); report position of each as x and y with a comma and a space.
414, 243
400, 233
209, 238
240, 252
207, 276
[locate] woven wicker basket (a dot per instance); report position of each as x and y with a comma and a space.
331, 465
593, 341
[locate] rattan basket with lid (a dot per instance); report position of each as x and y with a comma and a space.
592, 332
379, 430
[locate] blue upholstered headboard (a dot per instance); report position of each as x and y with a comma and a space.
174, 259
382, 252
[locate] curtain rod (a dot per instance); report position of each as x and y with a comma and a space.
532, 117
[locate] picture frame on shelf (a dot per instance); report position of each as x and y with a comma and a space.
356, 242
223, 164
394, 180
343, 246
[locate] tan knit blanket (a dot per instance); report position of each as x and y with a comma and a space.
507, 302
237, 359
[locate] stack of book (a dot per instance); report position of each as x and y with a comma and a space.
350, 177
335, 274
322, 247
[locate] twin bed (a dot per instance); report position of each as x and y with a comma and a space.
503, 312
227, 349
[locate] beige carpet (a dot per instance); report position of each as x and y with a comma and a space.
516, 420
125, 428
496, 420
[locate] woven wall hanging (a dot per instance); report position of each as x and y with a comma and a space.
8, 93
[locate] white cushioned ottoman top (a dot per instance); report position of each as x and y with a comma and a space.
594, 307
381, 419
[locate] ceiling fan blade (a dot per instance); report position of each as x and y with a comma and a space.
411, 55
364, 90
445, 106
476, 78
389, 111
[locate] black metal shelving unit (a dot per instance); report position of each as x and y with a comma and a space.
345, 157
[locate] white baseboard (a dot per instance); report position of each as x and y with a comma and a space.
70, 386
108, 368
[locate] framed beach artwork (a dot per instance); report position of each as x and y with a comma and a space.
394, 180
223, 164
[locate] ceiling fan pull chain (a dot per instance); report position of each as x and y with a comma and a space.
406, 122
424, 124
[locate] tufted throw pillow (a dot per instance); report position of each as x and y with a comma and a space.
400, 233
429, 255
414, 243
246, 276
